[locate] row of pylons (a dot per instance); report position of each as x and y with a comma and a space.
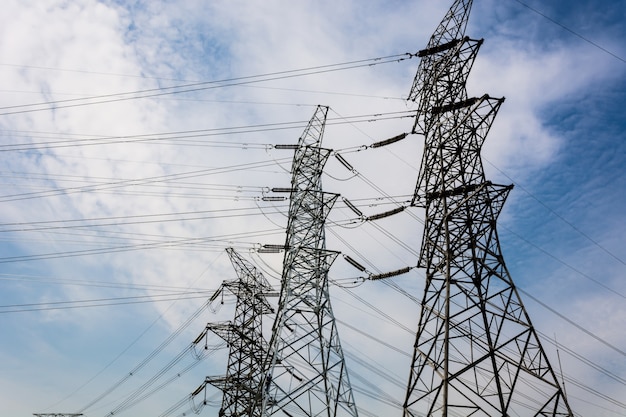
476, 352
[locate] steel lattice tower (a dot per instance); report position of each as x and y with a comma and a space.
57, 414
476, 351
306, 372
247, 347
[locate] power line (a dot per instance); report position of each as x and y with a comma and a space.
579, 272
139, 181
573, 32
563, 219
143, 333
202, 86
46, 225
124, 220
578, 326
101, 302
133, 247
177, 137
41, 280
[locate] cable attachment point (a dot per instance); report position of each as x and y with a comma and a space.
387, 213
354, 263
352, 207
345, 163
270, 248
390, 274
287, 146
389, 141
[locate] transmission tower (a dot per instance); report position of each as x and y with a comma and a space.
57, 414
247, 347
476, 351
306, 371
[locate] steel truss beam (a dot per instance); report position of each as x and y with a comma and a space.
476, 351
306, 372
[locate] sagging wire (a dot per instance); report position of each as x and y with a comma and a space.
280, 147
204, 335
256, 202
350, 224
346, 164
193, 408
264, 266
138, 395
359, 221
356, 173
136, 400
352, 282
375, 145
143, 363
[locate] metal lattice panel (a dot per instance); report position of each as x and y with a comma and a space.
306, 368
476, 351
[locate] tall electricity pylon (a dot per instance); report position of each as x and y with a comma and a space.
247, 347
57, 414
306, 371
476, 351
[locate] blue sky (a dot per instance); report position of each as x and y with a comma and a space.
157, 214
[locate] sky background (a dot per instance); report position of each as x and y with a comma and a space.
136, 144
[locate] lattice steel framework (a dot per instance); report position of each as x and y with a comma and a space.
244, 335
306, 372
476, 351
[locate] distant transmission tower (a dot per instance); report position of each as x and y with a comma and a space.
57, 414
247, 347
476, 351
306, 371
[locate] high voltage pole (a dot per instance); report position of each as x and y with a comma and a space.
244, 336
306, 371
476, 351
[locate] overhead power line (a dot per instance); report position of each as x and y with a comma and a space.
217, 144
101, 302
171, 242
573, 32
138, 181
199, 86
573, 323
184, 137
563, 219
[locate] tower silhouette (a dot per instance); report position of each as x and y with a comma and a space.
306, 372
476, 351
244, 336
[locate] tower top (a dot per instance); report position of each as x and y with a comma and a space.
453, 25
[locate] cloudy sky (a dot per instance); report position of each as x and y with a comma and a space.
137, 143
